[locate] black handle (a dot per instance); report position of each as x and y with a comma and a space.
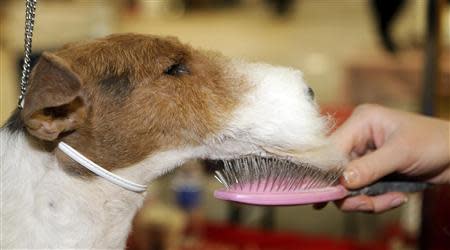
391, 186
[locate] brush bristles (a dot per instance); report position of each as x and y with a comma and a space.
265, 174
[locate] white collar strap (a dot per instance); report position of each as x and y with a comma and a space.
85, 162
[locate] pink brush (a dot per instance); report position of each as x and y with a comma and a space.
270, 181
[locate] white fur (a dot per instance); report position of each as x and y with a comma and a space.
278, 112
44, 207
277, 115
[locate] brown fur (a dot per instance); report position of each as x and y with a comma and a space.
125, 106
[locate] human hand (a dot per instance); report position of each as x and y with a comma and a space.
380, 141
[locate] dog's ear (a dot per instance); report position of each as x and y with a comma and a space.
53, 103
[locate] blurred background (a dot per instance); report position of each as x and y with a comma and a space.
391, 52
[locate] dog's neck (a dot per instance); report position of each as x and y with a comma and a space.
50, 202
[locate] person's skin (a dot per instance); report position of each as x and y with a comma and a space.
381, 141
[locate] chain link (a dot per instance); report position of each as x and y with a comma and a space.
30, 13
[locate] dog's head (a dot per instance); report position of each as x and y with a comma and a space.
126, 98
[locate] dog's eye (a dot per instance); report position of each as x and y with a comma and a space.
177, 69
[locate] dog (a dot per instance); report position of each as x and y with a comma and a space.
139, 106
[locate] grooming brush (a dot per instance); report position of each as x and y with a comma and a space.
272, 181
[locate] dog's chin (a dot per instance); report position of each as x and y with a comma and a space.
324, 155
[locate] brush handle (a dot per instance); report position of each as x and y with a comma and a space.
390, 186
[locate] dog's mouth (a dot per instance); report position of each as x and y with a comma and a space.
257, 173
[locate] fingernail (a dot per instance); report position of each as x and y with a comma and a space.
399, 201
350, 176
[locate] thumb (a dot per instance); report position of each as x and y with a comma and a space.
371, 167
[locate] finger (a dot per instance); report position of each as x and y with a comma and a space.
376, 204
353, 133
356, 203
344, 137
371, 167
388, 201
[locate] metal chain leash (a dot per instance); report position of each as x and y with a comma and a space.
30, 13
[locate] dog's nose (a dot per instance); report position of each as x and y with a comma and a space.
311, 93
